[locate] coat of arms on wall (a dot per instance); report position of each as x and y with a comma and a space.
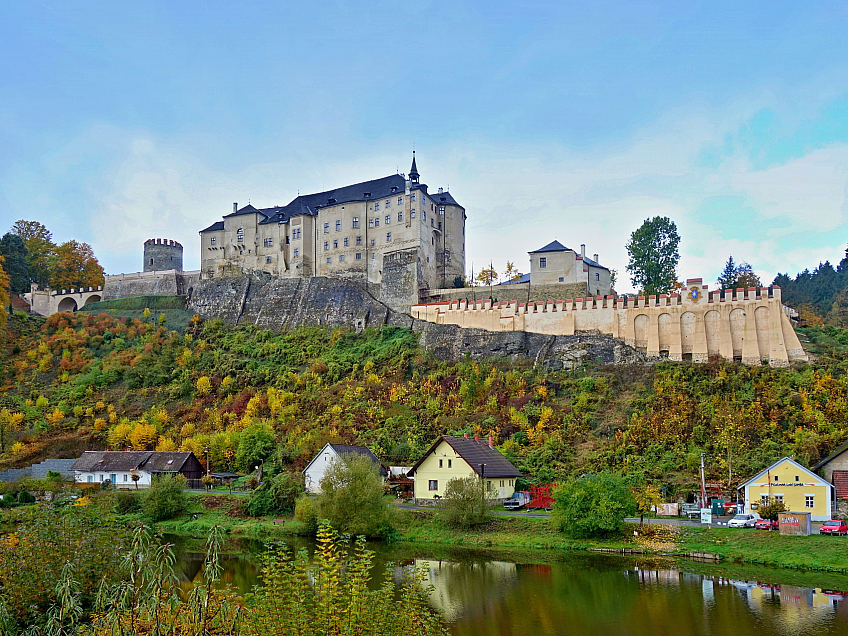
694, 294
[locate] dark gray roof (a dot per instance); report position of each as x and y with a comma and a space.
589, 261
836, 453
218, 225
248, 209
475, 452
553, 246
344, 449
413, 171
444, 198
150, 461
524, 278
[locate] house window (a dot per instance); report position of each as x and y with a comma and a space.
335, 244
400, 200
388, 219
338, 226
212, 241
388, 203
326, 245
440, 463
502, 483
356, 221
90, 478
376, 206
797, 478
126, 476
809, 501
543, 262
597, 276
341, 258
359, 256
326, 228
346, 241
434, 484
296, 252
764, 500
778, 499
450, 461
775, 478
441, 210
370, 222
388, 237
267, 259
359, 240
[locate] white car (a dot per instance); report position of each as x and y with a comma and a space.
743, 521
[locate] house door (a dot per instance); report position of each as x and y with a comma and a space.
114, 479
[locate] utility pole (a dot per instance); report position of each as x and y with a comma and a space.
703, 483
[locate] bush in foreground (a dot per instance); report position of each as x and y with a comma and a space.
165, 498
352, 499
592, 506
467, 502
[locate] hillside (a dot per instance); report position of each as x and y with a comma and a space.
77, 381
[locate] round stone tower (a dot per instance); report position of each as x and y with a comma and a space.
162, 254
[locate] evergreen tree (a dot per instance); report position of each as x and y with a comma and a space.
654, 255
727, 278
15, 252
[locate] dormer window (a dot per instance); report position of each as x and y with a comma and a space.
331, 201
366, 194
394, 188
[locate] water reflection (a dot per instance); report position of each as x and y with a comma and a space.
486, 593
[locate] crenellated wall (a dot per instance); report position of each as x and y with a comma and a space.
750, 325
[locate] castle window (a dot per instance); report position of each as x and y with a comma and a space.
440, 225
326, 228
335, 244
412, 214
240, 233
388, 237
326, 245
341, 258
268, 242
431, 223
151, 261
424, 212
388, 219
597, 276
370, 222
441, 209
400, 217
296, 252
338, 226
329, 259
346, 241
376, 206
359, 240
400, 200
287, 239
356, 221
359, 256
267, 259
543, 262
433, 241
412, 197
212, 241
424, 200
562, 279
373, 242
388, 203
373, 255
376, 222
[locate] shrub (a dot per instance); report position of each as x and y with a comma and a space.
771, 511
10, 497
592, 506
26, 497
53, 475
276, 495
127, 502
467, 502
165, 498
352, 500
306, 512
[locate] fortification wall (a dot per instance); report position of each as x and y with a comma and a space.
162, 255
751, 325
522, 292
149, 284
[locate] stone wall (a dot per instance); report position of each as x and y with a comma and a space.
171, 282
500, 293
279, 304
162, 255
401, 276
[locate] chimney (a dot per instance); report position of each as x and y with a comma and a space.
595, 258
582, 250
476, 437
441, 191
235, 207
491, 443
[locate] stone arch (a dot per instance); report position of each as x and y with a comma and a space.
94, 298
737, 332
687, 332
67, 304
664, 332
640, 332
761, 319
712, 327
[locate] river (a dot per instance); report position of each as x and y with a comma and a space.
502, 593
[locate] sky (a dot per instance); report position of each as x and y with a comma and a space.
575, 121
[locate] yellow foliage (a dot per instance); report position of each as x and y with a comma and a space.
166, 445
143, 436
56, 416
161, 418
89, 412
119, 436
100, 424
99, 406
82, 501
46, 363
226, 385
253, 404
187, 430
113, 417
542, 392
18, 448
204, 385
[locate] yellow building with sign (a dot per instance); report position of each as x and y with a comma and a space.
459, 457
786, 481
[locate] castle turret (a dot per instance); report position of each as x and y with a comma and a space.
413, 171
162, 254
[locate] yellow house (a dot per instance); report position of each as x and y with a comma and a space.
786, 481
459, 457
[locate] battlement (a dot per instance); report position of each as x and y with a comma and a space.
750, 324
160, 241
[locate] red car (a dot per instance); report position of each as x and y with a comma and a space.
766, 524
834, 527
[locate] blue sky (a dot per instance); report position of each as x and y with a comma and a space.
121, 121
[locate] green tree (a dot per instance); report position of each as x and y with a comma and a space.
165, 498
592, 506
352, 499
646, 499
256, 443
40, 248
727, 278
467, 501
746, 277
12, 249
771, 511
276, 495
654, 255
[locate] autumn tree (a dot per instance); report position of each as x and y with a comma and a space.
511, 272
654, 255
40, 248
745, 276
487, 276
76, 267
12, 248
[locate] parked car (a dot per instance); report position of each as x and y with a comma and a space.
766, 524
834, 527
743, 521
517, 501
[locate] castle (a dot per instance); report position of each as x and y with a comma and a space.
363, 232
